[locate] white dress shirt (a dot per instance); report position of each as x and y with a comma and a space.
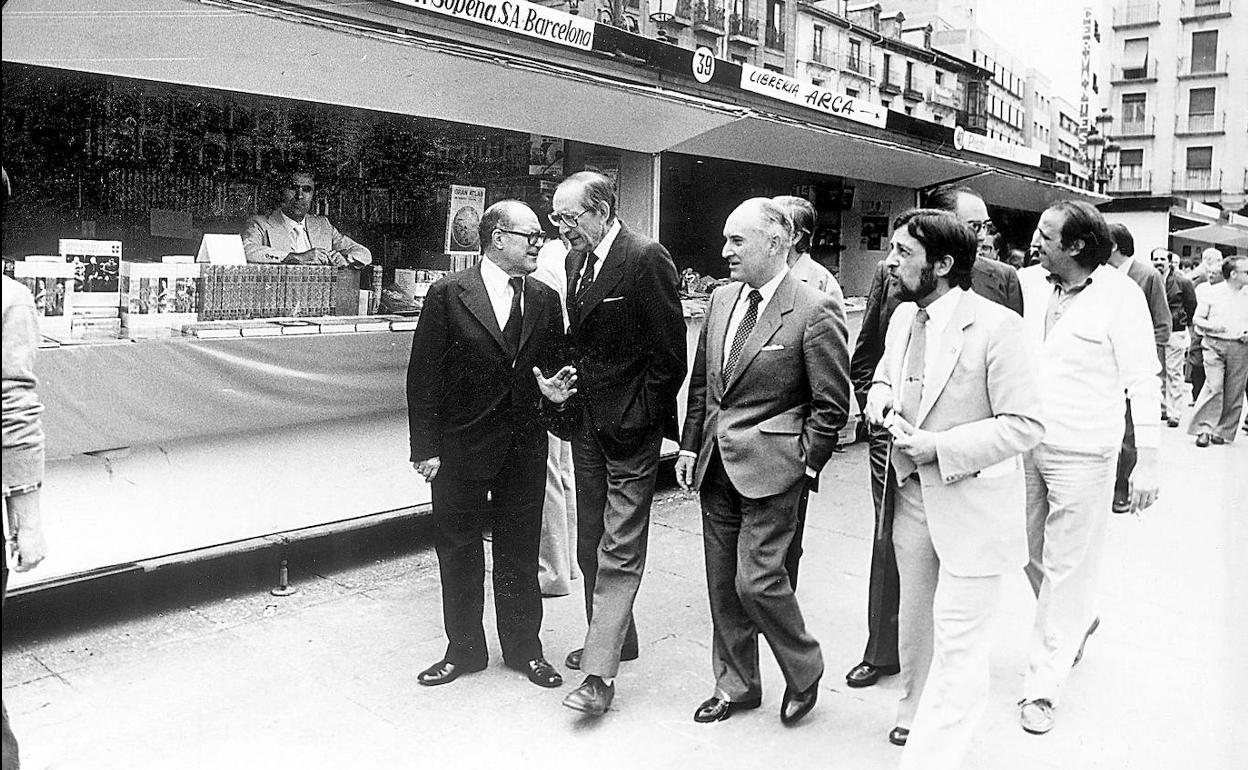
1219, 305
601, 250
299, 241
938, 315
498, 286
767, 290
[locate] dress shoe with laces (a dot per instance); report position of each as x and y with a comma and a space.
1202, 440
717, 709
1036, 716
593, 697
1095, 624
1173, 422
864, 674
796, 705
898, 736
540, 673
573, 661
445, 672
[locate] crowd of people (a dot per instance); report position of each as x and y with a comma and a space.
1010, 411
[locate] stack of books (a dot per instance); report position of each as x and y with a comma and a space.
158, 295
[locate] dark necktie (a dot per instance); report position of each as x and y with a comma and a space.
743, 334
511, 331
912, 386
587, 276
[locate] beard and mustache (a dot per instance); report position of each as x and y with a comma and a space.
927, 285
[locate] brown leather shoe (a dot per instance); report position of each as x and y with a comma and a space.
864, 674
573, 661
898, 736
593, 697
717, 709
798, 704
445, 672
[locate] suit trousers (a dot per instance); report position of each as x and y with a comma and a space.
945, 645
745, 541
883, 589
510, 504
793, 557
1068, 499
1173, 386
1221, 400
1127, 457
556, 559
613, 496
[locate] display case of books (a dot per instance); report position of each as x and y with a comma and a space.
157, 296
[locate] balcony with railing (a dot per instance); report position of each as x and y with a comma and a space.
1197, 180
773, 38
890, 82
857, 65
682, 16
973, 121
913, 90
1136, 14
1145, 72
1200, 123
1197, 10
1137, 181
1204, 66
708, 17
1137, 127
822, 56
742, 29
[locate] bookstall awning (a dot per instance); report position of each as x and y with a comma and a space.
1014, 191
1216, 234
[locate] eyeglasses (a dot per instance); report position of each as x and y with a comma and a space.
534, 239
984, 225
565, 219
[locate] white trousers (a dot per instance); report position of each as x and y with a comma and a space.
1173, 384
1069, 492
556, 558
945, 643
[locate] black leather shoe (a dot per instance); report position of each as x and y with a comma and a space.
717, 709
1218, 440
573, 661
1095, 624
445, 672
540, 673
1121, 505
593, 697
1172, 422
864, 674
798, 704
898, 736
1202, 440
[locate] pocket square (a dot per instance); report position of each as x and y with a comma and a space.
766, 348
612, 299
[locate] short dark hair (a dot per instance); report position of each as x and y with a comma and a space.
598, 189
280, 177
1123, 239
943, 234
803, 215
1228, 264
945, 197
1081, 221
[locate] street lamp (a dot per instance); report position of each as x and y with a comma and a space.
1102, 152
663, 14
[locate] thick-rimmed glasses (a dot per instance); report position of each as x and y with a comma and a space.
565, 219
982, 225
534, 238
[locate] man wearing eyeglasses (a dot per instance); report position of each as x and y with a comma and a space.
479, 406
990, 279
293, 236
627, 333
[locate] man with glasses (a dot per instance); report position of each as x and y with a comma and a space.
990, 279
291, 235
479, 407
1222, 318
627, 333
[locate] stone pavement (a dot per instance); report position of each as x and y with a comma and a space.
200, 667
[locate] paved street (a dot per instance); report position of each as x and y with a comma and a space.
200, 667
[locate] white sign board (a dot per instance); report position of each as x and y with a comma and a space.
519, 16
803, 94
986, 145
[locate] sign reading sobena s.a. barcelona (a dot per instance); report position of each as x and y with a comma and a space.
530, 19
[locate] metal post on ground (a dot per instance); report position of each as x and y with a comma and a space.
283, 587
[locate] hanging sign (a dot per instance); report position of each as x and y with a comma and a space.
521, 16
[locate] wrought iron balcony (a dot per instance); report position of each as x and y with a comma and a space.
1203, 67
857, 65
1194, 10
708, 17
774, 38
1133, 14
683, 15
1197, 180
1200, 123
742, 29
1135, 182
1124, 74
1137, 127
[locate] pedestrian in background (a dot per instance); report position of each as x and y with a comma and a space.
1208, 273
1181, 298
1222, 318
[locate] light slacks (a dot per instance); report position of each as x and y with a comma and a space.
1173, 384
1221, 400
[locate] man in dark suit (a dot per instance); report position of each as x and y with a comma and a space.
479, 407
628, 340
990, 279
768, 395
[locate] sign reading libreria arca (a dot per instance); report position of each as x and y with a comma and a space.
530, 19
803, 94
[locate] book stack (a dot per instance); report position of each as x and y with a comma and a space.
51, 282
158, 295
96, 267
241, 292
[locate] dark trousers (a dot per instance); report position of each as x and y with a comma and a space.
614, 490
745, 541
510, 504
884, 591
1126, 459
9, 740
794, 555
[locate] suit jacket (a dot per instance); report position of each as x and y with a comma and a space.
1154, 288
267, 239
990, 279
469, 397
628, 340
1181, 297
788, 397
983, 403
807, 270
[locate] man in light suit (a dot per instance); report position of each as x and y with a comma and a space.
990, 279
768, 395
479, 407
291, 235
957, 391
627, 333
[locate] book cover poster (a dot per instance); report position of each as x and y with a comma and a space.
463, 218
545, 156
97, 264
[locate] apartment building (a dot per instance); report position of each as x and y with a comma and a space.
1178, 99
1066, 142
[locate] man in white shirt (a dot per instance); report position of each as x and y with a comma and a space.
1222, 318
1092, 328
291, 234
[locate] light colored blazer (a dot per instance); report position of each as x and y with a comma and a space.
807, 270
983, 404
788, 396
267, 240
23, 423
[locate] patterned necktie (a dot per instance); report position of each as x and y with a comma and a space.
743, 334
912, 386
587, 276
511, 331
